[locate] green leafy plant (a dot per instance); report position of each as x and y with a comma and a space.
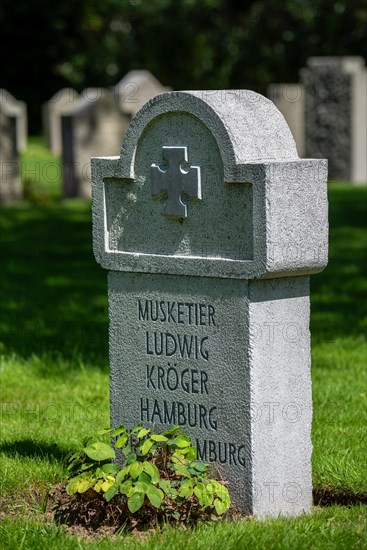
156, 475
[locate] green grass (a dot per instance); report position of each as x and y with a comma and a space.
330, 528
54, 371
40, 172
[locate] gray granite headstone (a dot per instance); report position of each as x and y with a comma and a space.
210, 225
19, 112
95, 125
336, 115
10, 184
60, 104
135, 89
290, 100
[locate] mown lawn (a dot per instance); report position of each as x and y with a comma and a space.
54, 375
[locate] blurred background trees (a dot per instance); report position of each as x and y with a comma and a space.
46, 45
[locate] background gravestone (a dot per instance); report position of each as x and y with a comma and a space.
95, 125
52, 111
290, 100
135, 89
10, 184
210, 225
336, 115
19, 112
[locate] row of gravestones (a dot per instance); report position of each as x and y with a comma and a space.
327, 114
77, 126
94, 122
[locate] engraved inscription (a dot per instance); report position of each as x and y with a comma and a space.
177, 374
176, 178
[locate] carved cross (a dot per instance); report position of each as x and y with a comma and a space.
177, 179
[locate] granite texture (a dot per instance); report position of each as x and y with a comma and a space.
336, 115
235, 373
281, 399
208, 187
236, 230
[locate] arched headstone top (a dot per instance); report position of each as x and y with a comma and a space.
209, 183
135, 89
246, 126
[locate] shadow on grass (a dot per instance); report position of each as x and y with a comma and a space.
53, 293
31, 449
327, 496
338, 294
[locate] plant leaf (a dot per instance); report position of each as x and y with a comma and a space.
155, 496
87, 465
165, 485
107, 484
131, 459
182, 441
141, 487
105, 431
126, 488
158, 437
118, 431
172, 430
120, 442
142, 432
181, 470
144, 478
125, 451
220, 506
99, 451
147, 445
167, 488
122, 474
198, 491
136, 469
98, 485
186, 489
83, 485
111, 469
136, 428
135, 502
111, 492
200, 466
191, 453
152, 471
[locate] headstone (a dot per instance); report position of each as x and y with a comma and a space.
95, 125
336, 115
10, 184
135, 89
290, 100
52, 111
210, 225
19, 112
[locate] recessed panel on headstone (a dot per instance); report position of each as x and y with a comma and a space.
189, 173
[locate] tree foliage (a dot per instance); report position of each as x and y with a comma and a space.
185, 43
